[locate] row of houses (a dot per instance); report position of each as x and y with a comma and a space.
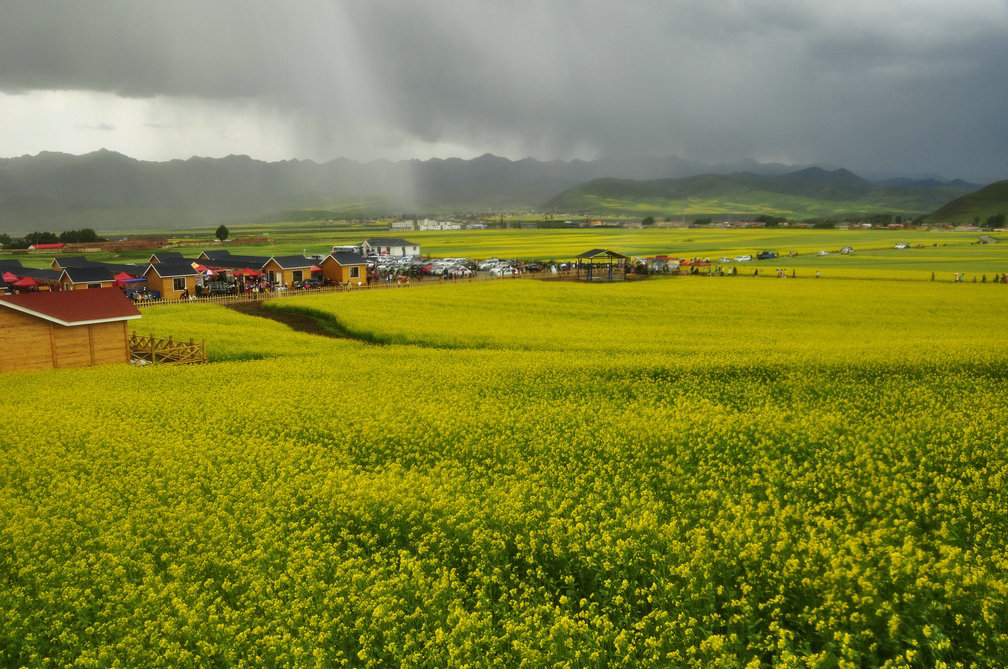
171, 275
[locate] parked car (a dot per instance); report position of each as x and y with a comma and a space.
822, 252
743, 258
724, 260
901, 245
218, 287
766, 255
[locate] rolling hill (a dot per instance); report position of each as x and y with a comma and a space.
807, 193
976, 206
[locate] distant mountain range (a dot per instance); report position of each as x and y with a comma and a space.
108, 191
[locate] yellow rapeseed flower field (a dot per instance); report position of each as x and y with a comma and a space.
683, 472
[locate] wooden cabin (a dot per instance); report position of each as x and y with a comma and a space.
82, 278
166, 256
223, 260
51, 330
66, 262
216, 254
345, 268
45, 279
288, 270
171, 280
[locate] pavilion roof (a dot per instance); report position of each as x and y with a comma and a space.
602, 253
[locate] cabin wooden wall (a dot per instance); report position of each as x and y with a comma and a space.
24, 342
84, 286
27, 342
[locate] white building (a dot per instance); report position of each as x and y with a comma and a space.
429, 224
389, 246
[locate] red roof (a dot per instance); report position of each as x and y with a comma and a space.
74, 307
46, 246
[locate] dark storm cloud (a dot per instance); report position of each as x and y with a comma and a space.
904, 86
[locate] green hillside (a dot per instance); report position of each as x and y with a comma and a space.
810, 193
975, 207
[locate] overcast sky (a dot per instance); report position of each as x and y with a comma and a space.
910, 87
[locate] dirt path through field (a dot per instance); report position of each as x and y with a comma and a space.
295, 321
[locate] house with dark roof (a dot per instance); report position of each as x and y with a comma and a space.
288, 270
49, 330
228, 261
48, 277
128, 268
166, 256
389, 246
213, 255
60, 264
344, 268
82, 278
171, 280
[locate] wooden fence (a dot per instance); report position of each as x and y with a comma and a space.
166, 351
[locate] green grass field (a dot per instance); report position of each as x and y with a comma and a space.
685, 472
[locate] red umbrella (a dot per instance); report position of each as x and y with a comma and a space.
123, 278
26, 282
246, 272
9, 277
315, 268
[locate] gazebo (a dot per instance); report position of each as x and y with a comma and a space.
598, 264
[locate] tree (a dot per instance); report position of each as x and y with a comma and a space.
648, 220
770, 221
222, 232
996, 221
39, 237
82, 236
